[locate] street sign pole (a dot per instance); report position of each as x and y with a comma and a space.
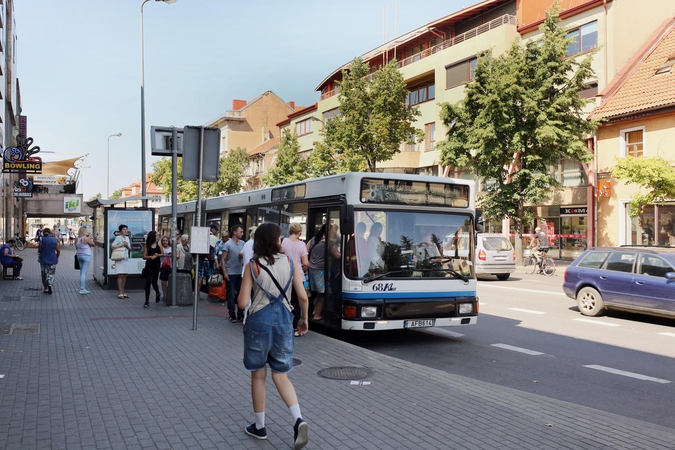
174, 212
199, 209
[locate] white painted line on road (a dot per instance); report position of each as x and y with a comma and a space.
441, 332
518, 349
628, 374
527, 311
598, 322
536, 291
668, 334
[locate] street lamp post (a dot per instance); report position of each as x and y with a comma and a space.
107, 188
143, 186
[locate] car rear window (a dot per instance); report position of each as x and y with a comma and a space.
621, 261
496, 243
593, 260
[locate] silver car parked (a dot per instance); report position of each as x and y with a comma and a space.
494, 256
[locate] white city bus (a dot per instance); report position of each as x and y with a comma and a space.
384, 264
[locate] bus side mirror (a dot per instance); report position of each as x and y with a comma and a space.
480, 221
347, 219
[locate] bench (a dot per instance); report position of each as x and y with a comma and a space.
8, 273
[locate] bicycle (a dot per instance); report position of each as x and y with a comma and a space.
546, 266
19, 242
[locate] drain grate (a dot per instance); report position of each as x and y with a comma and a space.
11, 298
346, 373
22, 328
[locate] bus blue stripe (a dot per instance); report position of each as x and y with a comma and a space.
389, 294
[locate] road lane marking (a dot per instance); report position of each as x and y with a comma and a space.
668, 334
518, 349
526, 311
628, 374
442, 332
598, 322
536, 291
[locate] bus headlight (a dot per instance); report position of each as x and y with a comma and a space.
466, 308
369, 311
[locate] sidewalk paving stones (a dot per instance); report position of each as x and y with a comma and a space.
97, 372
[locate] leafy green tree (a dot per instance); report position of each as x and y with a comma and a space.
289, 165
521, 114
655, 175
231, 171
324, 161
98, 195
374, 119
116, 194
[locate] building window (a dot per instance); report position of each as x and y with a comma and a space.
430, 136
411, 143
460, 73
304, 127
573, 174
330, 114
590, 92
421, 94
632, 142
584, 39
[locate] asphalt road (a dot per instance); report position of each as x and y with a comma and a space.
531, 337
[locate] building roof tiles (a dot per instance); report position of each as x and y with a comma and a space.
638, 87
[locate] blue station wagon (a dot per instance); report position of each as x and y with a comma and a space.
634, 279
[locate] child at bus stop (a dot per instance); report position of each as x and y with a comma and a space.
268, 326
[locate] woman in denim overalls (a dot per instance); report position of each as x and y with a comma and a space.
268, 326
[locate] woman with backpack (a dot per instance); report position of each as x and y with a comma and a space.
268, 326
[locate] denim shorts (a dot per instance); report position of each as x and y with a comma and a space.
268, 339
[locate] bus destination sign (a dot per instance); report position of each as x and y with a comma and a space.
414, 193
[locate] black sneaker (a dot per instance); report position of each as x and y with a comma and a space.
233, 319
300, 436
240, 319
251, 430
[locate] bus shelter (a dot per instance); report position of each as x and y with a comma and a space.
108, 216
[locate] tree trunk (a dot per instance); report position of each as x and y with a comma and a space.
518, 238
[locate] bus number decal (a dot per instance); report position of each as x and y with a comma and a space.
381, 287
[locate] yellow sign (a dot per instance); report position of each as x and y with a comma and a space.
604, 189
28, 166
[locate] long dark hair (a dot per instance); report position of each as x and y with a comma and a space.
151, 239
266, 243
319, 235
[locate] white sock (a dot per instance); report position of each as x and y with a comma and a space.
260, 420
295, 411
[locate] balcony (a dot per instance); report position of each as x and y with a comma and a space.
491, 25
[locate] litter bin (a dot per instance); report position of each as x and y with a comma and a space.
184, 296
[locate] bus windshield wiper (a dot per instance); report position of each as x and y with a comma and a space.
381, 275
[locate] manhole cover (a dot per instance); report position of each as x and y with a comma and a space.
296, 362
11, 298
346, 373
25, 328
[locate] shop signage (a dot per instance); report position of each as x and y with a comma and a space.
50, 180
20, 159
71, 204
604, 189
21, 192
575, 211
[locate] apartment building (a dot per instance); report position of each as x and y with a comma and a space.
638, 110
439, 57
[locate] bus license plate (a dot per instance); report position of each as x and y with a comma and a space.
418, 323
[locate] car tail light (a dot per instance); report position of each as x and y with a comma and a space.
514, 255
565, 276
481, 255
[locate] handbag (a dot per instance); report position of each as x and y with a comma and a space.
77, 263
219, 292
118, 254
166, 264
216, 279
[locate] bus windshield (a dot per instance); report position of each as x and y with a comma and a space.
409, 244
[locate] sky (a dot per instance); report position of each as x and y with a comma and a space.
78, 64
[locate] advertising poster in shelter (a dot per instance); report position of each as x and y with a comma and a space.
139, 223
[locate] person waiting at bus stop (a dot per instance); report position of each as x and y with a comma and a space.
8, 259
233, 257
268, 327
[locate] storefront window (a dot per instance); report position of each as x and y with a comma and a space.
653, 227
573, 236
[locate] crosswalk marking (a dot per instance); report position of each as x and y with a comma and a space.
598, 322
518, 349
628, 374
527, 311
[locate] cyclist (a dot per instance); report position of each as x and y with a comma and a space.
539, 245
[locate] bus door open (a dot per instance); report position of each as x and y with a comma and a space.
236, 217
332, 310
